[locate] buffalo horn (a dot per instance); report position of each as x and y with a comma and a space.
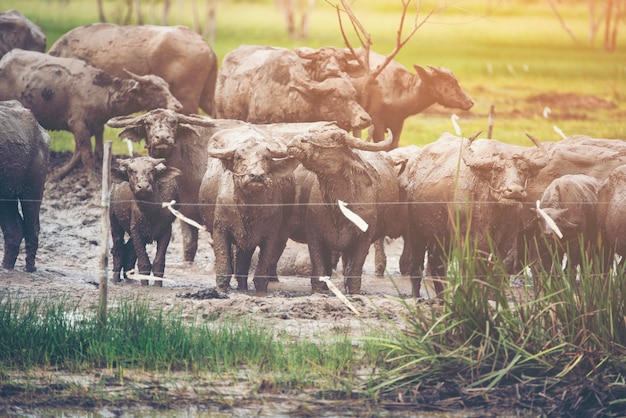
543, 159
468, 154
358, 143
124, 121
196, 120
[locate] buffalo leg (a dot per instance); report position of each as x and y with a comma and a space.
380, 258
243, 259
30, 210
190, 241
143, 261
12, 228
321, 265
158, 266
223, 260
353, 270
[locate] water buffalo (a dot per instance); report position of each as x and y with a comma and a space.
182, 140
262, 84
16, 31
175, 53
611, 219
402, 158
394, 94
476, 188
69, 94
24, 152
578, 154
144, 183
247, 197
345, 177
571, 202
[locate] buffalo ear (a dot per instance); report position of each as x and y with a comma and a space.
284, 167
167, 174
133, 132
422, 72
119, 172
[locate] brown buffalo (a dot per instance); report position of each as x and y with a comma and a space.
16, 31
476, 188
144, 183
262, 84
247, 197
344, 172
69, 94
175, 53
393, 94
24, 152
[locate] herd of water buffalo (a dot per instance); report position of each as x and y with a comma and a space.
278, 161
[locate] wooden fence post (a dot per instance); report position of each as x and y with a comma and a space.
104, 232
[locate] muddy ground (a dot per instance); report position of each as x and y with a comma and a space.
69, 255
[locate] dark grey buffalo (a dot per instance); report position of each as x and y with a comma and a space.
182, 140
347, 200
68, 94
247, 197
24, 152
16, 31
570, 202
136, 210
474, 187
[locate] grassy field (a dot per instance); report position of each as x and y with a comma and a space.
487, 44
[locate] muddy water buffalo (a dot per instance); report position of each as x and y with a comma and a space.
16, 31
144, 183
395, 93
24, 152
578, 154
68, 94
262, 84
571, 202
247, 195
182, 140
479, 185
346, 175
175, 53
611, 219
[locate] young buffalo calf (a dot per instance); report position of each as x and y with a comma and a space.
143, 184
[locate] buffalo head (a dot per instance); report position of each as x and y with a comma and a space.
143, 173
334, 99
328, 150
254, 159
160, 128
444, 87
506, 168
153, 92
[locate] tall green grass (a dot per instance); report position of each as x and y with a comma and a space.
560, 347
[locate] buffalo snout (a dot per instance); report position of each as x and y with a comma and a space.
514, 192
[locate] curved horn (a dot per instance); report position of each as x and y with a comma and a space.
543, 158
357, 143
133, 75
196, 120
277, 149
470, 158
124, 121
